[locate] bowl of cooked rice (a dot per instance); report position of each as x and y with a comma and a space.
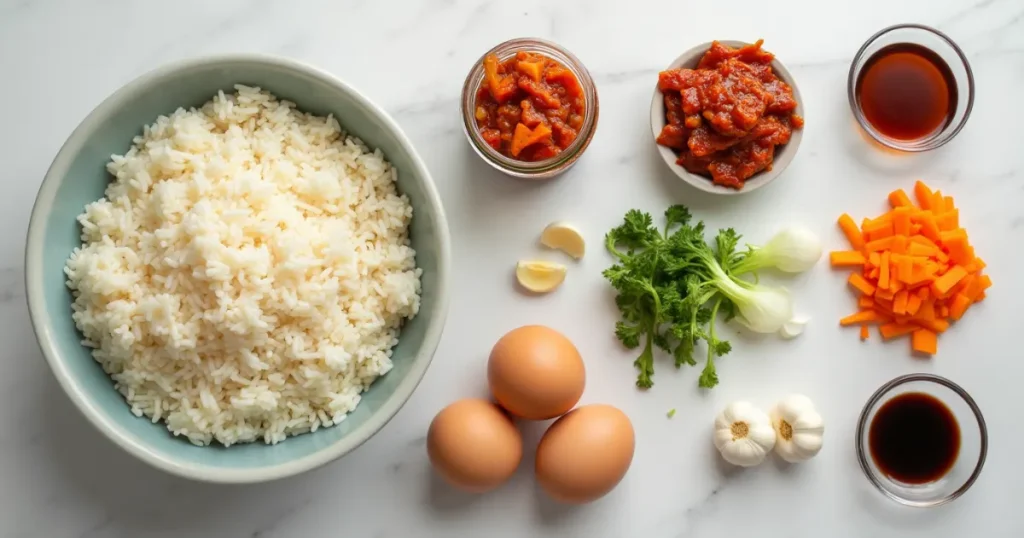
237, 268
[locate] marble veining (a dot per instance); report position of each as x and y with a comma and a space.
60, 478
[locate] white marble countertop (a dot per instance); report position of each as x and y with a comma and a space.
60, 478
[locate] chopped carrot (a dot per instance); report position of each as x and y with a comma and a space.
924, 341
882, 244
948, 221
918, 238
851, 231
901, 220
864, 333
899, 244
841, 258
524, 137
531, 69
899, 302
929, 228
906, 268
864, 316
936, 325
923, 195
913, 303
861, 284
944, 283
873, 231
893, 330
899, 198
917, 269
883, 274
977, 287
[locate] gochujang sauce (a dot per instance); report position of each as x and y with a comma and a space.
906, 92
725, 118
914, 438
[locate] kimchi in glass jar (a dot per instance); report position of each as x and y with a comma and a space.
529, 108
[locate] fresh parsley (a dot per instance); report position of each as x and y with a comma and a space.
669, 283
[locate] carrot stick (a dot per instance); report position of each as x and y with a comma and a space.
935, 325
901, 220
864, 316
944, 283
894, 330
882, 244
851, 231
883, 271
899, 198
899, 302
948, 221
923, 195
913, 303
875, 231
861, 284
924, 341
864, 333
843, 258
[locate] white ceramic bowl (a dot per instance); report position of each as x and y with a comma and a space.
783, 154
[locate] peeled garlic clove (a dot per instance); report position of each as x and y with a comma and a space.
564, 237
794, 327
540, 276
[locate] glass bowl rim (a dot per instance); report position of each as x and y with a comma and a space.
851, 83
885, 389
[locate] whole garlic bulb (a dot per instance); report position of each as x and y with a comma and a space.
744, 434
799, 428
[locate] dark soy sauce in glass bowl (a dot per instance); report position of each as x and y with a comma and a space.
914, 438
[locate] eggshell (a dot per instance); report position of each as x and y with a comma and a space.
585, 454
536, 373
473, 445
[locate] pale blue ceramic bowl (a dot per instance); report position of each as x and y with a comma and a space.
77, 177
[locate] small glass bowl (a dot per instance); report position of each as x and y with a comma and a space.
547, 168
940, 44
973, 442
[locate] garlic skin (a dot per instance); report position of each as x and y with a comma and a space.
744, 434
799, 428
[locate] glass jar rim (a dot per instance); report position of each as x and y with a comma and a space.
546, 167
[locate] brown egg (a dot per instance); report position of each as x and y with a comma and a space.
585, 454
473, 445
536, 373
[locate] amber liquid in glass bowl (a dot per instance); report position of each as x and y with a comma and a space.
907, 92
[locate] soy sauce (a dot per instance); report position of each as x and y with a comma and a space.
907, 91
914, 438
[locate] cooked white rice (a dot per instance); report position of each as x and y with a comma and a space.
248, 271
